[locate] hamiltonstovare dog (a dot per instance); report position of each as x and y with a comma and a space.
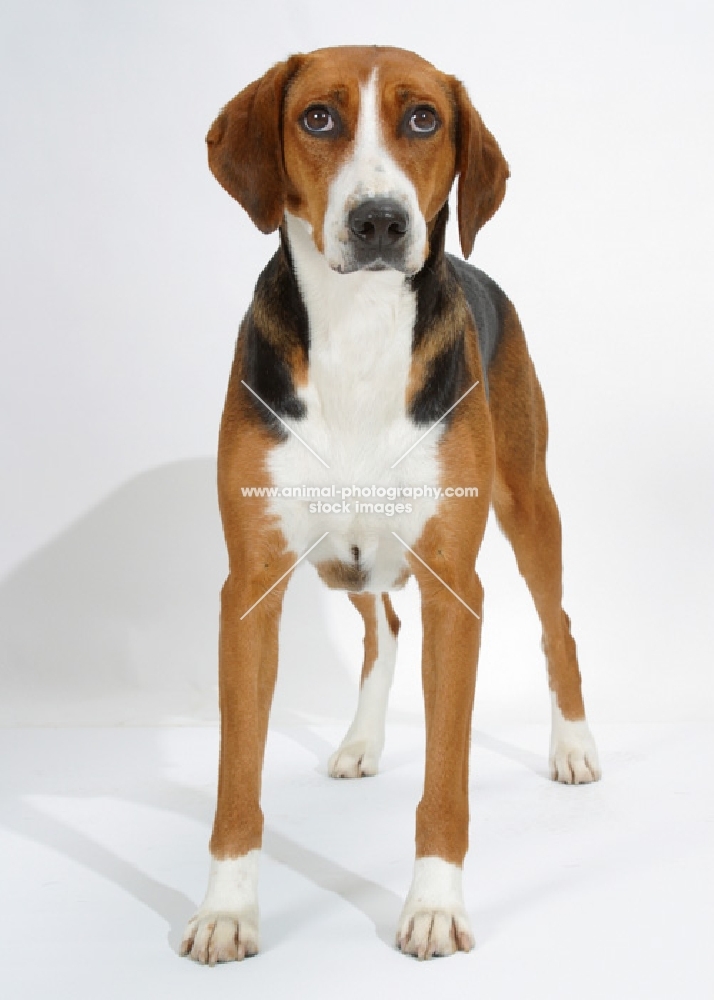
373, 364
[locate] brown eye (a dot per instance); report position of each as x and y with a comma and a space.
423, 121
318, 120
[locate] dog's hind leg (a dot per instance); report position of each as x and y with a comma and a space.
358, 754
528, 515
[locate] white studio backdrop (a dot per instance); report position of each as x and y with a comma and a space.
125, 270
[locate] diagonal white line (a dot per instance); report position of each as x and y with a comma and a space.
274, 585
430, 429
286, 426
426, 566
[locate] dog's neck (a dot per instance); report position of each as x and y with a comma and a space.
348, 327
360, 336
330, 296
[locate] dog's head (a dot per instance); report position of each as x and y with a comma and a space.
363, 144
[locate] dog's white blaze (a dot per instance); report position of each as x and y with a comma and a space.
370, 172
361, 327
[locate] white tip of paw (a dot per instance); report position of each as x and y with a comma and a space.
571, 766
219, 937
357, 759
573, 755
225, 929
434, 933
434, 921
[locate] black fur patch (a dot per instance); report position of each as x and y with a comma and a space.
268, 375
435, 286
442, 386
275, 325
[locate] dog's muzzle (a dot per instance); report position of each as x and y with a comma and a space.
378, 230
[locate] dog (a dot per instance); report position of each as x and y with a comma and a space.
370, 360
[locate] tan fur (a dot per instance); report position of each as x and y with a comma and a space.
525, 507
482, 171
451, 633
245, 146
248, 648
341, 575
389, 611
366, 605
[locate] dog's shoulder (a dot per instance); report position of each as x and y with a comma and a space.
271, 351
489, 305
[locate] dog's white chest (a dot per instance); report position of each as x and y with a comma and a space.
374, 479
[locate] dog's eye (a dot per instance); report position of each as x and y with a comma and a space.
318, 120
423, 121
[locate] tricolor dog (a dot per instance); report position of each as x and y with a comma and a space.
371, 358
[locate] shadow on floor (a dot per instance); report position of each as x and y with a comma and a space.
115, 621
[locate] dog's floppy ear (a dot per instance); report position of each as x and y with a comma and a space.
481, 167
245, 146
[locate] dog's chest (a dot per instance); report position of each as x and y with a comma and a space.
365, 478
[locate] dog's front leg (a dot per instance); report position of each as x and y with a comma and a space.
434, 920
226, 925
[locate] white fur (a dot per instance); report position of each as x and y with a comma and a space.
361, 327
358, 754
225, 927
434, 920
370, 172
573, 754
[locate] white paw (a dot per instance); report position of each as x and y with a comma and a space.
573, 764
573, 754
434, 921
433, 933
355, 759
225, 929
220, 937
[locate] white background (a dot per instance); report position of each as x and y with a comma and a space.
125, 270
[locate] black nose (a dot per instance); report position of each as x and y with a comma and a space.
378, 222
